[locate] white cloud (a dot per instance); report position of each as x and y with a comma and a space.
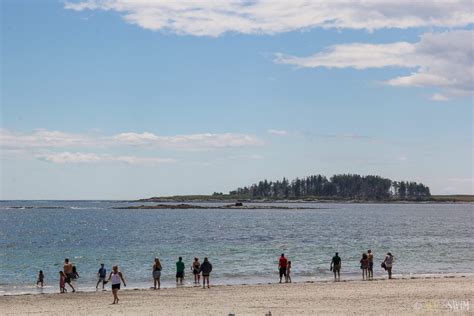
193, 141
68, 157
213, 18
277, 132
43, 138
141, 160
358, 56
442, 60
79, 157
439, 97
56, 139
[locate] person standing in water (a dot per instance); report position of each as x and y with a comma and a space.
117, 278
282, 264
180, 271
288, 272
40, 280
74, 274
101, 274
67, 269
388, 264
195, 267
370, 256
205, 269
157, 273
364, 265
62, 282
336, 266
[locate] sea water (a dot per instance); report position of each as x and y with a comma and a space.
243, 245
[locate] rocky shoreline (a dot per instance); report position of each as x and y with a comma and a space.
238, 206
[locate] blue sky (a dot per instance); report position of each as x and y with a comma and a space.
117, 100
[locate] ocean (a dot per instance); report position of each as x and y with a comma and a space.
243, 245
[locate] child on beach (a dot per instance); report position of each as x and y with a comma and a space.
40, 278
288, 271
62, 282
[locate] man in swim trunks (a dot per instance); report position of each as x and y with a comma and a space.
282, 265
180, 271
336, 267
370, 256
67, 268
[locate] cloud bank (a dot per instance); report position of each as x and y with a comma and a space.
442, 60
79, 157
59, 147
214, 18
56, 139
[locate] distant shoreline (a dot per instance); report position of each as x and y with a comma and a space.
229, 199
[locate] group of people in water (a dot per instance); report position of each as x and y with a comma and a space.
197, 269
69, 272
366, 265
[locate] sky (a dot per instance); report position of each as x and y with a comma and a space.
120, 99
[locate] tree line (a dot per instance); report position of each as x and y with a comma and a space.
342, 186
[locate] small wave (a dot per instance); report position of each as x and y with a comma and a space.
85, 208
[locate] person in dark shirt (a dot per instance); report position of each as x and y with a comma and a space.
40, 280
336, 267
101, 274
205, 269
179, 271
364, 265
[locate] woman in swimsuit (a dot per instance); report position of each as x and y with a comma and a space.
157, 273
364, 265
195, 267
117, 278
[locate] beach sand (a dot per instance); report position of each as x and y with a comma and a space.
398, 296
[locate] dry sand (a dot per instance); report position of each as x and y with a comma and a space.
402, 296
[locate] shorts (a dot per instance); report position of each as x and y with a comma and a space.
371, 266
156, 274
116, 286
364, 267
336, 267
205, 274
68, 277
180, 275
282, 272
102, 279
195, 272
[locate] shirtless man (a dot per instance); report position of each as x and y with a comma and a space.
371, 264
67, 268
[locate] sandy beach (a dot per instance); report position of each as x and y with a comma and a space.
398, 296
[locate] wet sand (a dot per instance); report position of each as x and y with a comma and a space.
399, 296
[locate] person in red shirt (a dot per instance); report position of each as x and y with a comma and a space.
282, 264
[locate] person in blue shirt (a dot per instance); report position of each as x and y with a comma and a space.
102, 274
